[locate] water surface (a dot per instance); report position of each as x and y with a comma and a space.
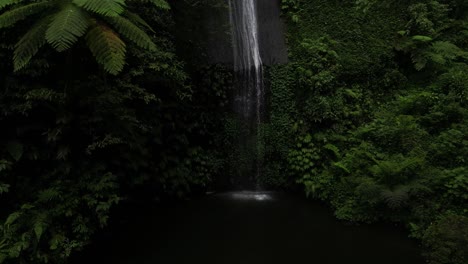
249, 228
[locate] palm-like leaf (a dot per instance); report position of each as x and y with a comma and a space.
10, 17
30, 43
107, 47
132, 32
71, 20
66, 27
4, 3
138, 20
102, 7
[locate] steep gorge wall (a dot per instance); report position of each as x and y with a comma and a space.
204, 34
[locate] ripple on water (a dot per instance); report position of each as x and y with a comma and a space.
248, 195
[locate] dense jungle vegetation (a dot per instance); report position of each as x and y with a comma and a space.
101, 106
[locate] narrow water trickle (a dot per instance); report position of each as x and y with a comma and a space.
250, 95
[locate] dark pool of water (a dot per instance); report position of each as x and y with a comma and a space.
248, 228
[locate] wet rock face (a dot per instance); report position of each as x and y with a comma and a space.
203, 29
271, 28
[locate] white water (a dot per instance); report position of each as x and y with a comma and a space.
247, 60
250, 95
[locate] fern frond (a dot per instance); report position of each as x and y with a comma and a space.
444, 51
5, 3
161, 4
103, 7
49, 194
138, 20
341, 166
396, 198
132, 32
30, 43
334, 149
66, 27
11, 17
4, 188
107, 47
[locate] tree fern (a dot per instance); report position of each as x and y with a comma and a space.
30, 44
138, 20
5, 3
66, 27
107, 47
102, 7
62, 23
132, 32
11, 17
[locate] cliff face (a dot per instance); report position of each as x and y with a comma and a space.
204, 34
272, 32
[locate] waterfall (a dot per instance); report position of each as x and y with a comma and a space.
250, 95
247, 61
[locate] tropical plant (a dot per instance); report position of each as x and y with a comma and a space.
104, 25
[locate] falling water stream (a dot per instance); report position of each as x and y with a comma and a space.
250, 94
247, 60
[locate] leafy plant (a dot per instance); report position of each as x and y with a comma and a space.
62, 23
446, 239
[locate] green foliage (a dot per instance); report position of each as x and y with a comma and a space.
109, 8
39, 231
350, 121
107, 48
66, 27
133, 33
75, 142
11, 17
62, 24
161, 4
30, 43
375, 139
447, 239
292, 8
278, 133
204, 166
422, 36
306, 161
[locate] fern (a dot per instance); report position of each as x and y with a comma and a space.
161, 4
133, 33
67, 26
443, 52
12, 219
4, 165
138, 20
5, 3
11, 17
107, 47
40, 224
4, 188
64, 27
30, 44
341, 166
48, 195
334, 149
103, 7
396, 198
